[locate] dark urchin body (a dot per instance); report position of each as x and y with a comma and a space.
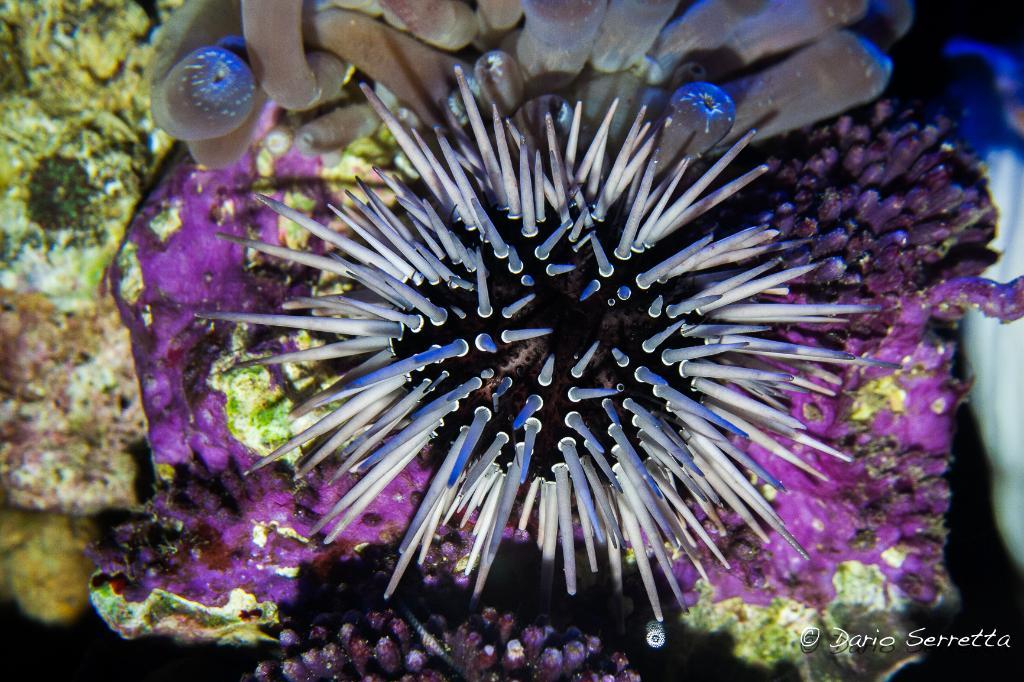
560, 329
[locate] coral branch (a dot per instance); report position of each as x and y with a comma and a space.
952, 298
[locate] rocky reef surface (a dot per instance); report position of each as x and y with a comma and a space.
78, 151
895, 205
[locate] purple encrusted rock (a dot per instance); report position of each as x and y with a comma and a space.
901, 209
895, 207
212, 529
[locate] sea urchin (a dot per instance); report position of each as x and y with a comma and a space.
561, 329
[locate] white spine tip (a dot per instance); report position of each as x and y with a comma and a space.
485, 343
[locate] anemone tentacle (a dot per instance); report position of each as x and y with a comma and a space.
779, 65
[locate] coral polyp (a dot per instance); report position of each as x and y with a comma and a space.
552, 320
356, 635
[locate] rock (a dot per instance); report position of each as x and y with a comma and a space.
43, 568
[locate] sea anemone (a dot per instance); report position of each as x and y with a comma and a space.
602, 347
785, 63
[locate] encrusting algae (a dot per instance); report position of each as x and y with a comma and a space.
77, 150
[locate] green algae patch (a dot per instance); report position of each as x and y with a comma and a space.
865, 626
240, 621
167, 222
859, 585
763, 635
60, 195
130, 285
256, 408
786, 632
360, 157
79, 144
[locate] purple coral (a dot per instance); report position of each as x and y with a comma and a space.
890, 194
901, 211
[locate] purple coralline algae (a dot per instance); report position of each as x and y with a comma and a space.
906, 215
204, 420
894, 205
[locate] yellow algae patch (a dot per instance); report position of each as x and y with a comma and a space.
130, 285
289, 232
168, 221
240, 621
883, 393
894, 556
165, 472
261, 532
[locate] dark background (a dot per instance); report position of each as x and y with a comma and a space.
991, 592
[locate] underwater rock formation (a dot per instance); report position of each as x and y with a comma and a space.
80, 145
78, 150
909, 233
43, 567
205, 417
70, 414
